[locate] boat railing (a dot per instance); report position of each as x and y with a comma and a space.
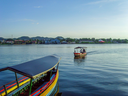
7, 88
22, 89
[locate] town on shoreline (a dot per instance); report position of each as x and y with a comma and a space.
58, 40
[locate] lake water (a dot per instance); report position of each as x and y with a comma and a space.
103, 72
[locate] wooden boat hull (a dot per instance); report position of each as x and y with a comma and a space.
79, 54
47, 92
40, 82
51, 87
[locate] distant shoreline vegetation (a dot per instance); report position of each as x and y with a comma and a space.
58, 40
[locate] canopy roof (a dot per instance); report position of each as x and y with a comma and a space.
36, 67
80, 47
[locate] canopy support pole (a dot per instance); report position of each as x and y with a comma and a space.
30, 87
17, 80
57, 66
5, 89
51, 74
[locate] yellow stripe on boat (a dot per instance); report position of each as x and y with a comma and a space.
15, 87
51, 86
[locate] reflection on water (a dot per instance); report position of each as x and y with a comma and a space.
78, 61
55, 92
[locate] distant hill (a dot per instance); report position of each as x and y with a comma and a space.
1, 38
38, 37
33, 38
59, 37
24, 38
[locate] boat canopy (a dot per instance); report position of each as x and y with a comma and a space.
80, 47
35, 68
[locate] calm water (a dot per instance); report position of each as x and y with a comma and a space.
104, 71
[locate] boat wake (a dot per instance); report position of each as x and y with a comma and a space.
92, 52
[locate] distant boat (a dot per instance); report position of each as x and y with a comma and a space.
80, 51
40, 77
101, 41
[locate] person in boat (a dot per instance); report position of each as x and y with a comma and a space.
81, 51
84, 51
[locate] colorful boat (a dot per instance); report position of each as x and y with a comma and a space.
39, 78
80, 51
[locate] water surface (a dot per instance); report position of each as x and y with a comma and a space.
103, 72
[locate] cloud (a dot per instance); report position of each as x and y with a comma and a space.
99, 2
27, 20
17, 20
37, 6
37, 23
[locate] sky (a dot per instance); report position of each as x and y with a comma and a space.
66, 18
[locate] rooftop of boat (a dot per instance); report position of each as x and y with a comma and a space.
35, 68
80, 47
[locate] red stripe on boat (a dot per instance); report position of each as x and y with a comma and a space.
44, 87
